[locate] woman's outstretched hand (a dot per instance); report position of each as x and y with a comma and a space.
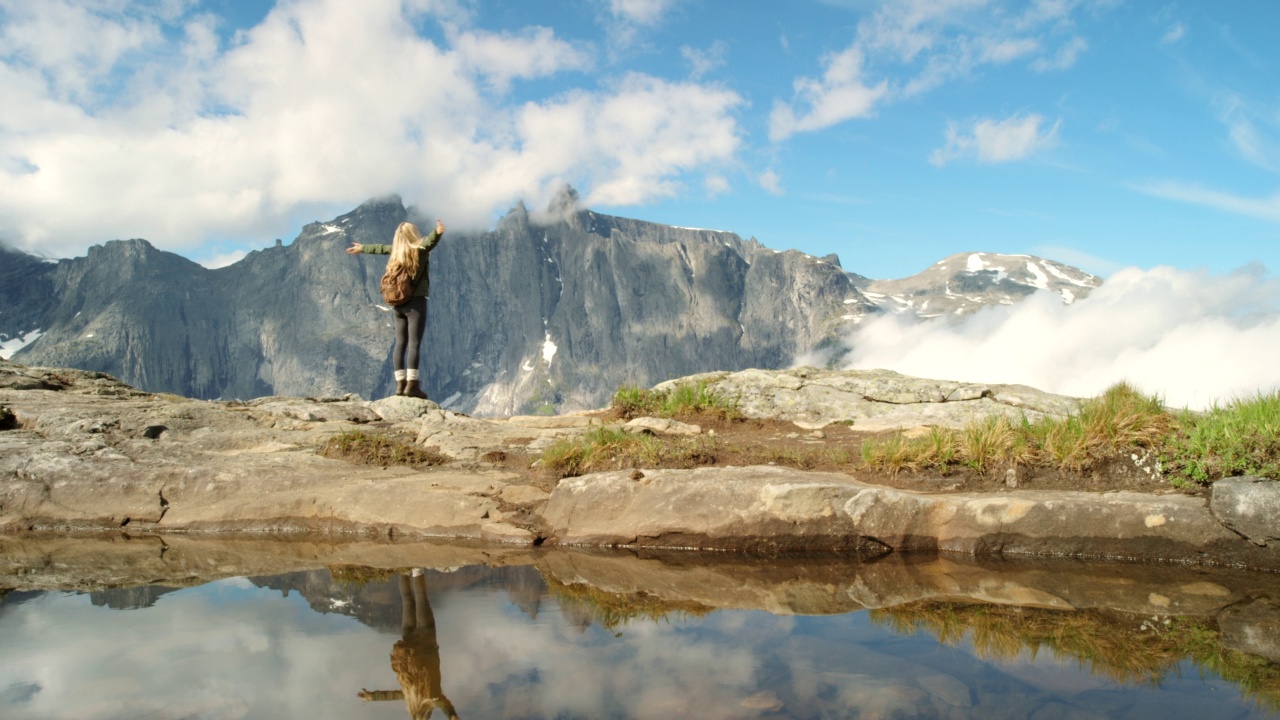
439, 227
356, 248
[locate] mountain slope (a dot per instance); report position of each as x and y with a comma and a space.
963, 283
529, 317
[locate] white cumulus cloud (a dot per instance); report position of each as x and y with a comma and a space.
996, 141
124, 121
1194, 338
842, 93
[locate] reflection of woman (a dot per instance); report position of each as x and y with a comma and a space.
416, 656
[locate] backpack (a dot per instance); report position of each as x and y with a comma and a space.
397, 286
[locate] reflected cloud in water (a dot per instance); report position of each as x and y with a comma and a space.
507, 643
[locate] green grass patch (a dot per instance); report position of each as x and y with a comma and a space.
1239, 438
685, 400
366, 448
1119, 421
612, 449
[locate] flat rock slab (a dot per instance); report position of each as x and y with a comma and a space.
875, 399
463, 437
781, 509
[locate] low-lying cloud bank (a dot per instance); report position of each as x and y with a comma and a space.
1195, 338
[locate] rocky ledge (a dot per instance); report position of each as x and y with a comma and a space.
80, 451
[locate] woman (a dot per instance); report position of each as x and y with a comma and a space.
409, 252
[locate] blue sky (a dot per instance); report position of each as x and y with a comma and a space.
1101, 133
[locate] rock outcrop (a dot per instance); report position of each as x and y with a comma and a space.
90, 453
773, 509
875, 399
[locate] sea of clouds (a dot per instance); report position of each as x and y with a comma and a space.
1193, 337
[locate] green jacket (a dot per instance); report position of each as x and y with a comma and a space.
423, 286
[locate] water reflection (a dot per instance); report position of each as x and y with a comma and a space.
482, 633
416, 656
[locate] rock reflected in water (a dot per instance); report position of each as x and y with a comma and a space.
321, 630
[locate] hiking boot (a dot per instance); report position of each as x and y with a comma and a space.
413, 390
400, 386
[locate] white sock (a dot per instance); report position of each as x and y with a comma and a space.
399, 375
411, 374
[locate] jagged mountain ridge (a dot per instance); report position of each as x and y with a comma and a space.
965, 282
529, 317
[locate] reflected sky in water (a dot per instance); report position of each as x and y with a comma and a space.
306, 645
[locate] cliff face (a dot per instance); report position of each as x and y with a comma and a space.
529, 317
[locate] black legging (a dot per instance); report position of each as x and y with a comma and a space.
411, 322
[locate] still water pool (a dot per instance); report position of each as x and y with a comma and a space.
559, 635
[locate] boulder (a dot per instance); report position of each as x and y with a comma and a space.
1249, 506
401, 408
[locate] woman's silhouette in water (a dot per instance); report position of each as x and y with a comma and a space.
416, 656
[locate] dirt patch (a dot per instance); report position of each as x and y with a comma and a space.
837, 448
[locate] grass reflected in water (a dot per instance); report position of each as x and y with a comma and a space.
1125, 648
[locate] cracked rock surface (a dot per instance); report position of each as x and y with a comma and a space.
84, 451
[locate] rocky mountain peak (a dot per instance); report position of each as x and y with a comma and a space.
965, 282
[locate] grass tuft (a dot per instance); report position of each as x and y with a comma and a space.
612, 449
1119, 421
365, 448
1239, 438
688, 400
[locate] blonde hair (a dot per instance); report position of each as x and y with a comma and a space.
404, 249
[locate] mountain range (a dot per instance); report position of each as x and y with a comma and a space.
544, 313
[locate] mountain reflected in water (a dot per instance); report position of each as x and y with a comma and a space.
450, 632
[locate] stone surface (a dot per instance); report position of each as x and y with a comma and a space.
1250, 506
1253, 627
399, 408
524, 495
661, 426
90, 453
776, 508
875, 399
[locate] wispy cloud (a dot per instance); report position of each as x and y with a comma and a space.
643, 12
905, 48
996, 141
1065, 57
701, 61
1174, 34
1193, 337
1251, 129
146, 124
1265, 208
771, 182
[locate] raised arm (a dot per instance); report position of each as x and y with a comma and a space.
430, 240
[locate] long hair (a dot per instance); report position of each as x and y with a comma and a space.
404, 249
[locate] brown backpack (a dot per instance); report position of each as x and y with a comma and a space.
397, 286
